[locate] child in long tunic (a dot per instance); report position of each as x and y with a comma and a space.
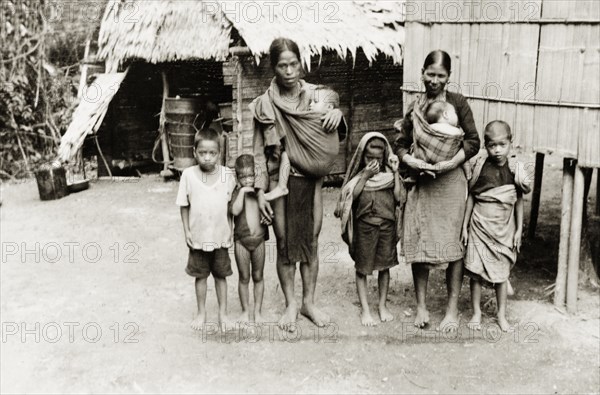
493, 222
367, 208
249, 236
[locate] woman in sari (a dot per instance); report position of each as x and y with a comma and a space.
283, 120
435, 206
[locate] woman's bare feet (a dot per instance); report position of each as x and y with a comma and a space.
277, 192
314, 314
422, 318
287, 322
244, 317
385, 315
503, 323
198, 323
258, 318
475, 321
449, 323
224, 322
366, 319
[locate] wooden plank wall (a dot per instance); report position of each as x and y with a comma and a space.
373, 90
508, 52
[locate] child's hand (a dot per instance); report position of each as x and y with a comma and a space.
247, 190
517, 240
371, 169
188, 239
464, 236
394, 162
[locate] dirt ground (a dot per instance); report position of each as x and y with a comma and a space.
94, 298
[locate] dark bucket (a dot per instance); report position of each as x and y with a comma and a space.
51, 182
180, 115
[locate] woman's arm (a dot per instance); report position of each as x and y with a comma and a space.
404, 139
397, 187
471, 142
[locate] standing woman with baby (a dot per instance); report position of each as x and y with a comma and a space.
435, 206
285, 120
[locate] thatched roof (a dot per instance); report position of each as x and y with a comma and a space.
170, 30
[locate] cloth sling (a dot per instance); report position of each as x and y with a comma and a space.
311, 150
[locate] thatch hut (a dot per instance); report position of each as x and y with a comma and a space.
216, 51
536, 65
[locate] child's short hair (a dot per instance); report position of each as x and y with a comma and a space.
327, 95
435, 110
494, 128
207, 134
245, 161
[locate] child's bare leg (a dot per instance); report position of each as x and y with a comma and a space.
383, 280
475, 322
221, 287
501, 299
284, 174
258, 264
198, 322
361, 288
242, 258
420, 279
454, 276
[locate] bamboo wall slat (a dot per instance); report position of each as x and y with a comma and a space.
572, 9
472, 11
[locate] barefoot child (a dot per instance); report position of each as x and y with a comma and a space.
367, 208
493, 222
325, 100
249, 236
204, 191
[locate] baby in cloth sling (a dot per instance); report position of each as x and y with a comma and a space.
438, 137
323, 100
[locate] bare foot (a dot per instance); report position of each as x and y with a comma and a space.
366, 319
244, 317
224, 323
450, 323
258, 318
287, 322
503, 323
314, 314
509, 289
385, 315
422, 318
198, 323
475, 322
277, 192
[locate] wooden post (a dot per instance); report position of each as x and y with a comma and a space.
565, 226
240, 102
598, 192
163, 132
537, 191
575, 240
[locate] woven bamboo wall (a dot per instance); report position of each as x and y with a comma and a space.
534, 64
370, 97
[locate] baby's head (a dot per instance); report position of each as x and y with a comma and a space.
441, 112
207, 147
244, 170
374, 150
325, 99
497, 139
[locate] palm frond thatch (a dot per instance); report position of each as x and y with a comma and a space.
169, 30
